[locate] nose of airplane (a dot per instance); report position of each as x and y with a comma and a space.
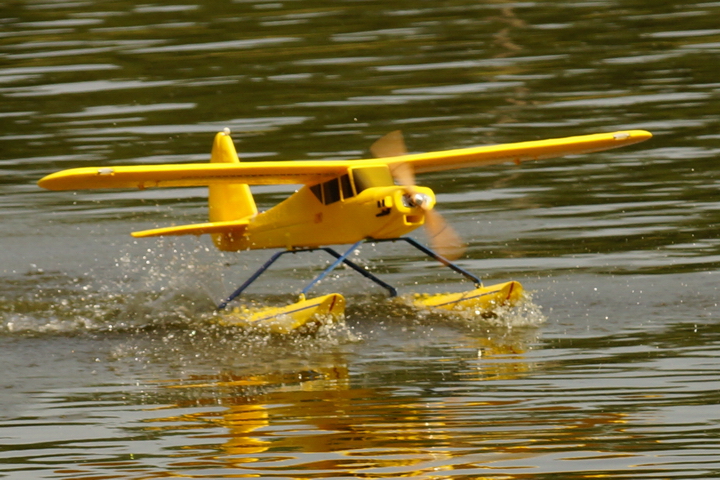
422, 200
418, 197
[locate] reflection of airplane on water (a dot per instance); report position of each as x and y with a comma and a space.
319, 420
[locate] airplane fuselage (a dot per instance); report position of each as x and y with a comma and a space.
343, 210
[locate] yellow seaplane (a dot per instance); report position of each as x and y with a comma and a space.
342, 202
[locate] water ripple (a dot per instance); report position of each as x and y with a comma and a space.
112, 363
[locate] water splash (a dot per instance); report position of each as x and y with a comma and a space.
174, 287
142, 291
525, 313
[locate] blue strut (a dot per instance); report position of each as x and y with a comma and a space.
342, 258
332, 267
339, 259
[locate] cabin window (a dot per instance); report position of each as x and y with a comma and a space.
366, 177
317, 190
346, 186
331, 191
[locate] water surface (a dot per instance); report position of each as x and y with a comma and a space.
113, 365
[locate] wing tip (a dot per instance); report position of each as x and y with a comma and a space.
632, 136
48, 182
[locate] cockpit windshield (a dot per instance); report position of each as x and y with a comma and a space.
375, 176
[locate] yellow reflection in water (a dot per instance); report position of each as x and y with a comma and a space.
314, 421
317, 420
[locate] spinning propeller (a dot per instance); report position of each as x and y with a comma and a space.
443, 238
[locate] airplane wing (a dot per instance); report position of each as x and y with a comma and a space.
518, 152
316, 171
195, 174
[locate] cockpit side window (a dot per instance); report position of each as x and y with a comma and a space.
346, 186
317, 190
331, 191
341, 188
376, 176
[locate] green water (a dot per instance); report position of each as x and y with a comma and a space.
112, 364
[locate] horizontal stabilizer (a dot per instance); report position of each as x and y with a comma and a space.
236, 227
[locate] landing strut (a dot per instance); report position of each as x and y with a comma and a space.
343, 259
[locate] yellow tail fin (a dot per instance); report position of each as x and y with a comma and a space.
228, 202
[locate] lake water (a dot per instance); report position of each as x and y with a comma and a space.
112, 365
